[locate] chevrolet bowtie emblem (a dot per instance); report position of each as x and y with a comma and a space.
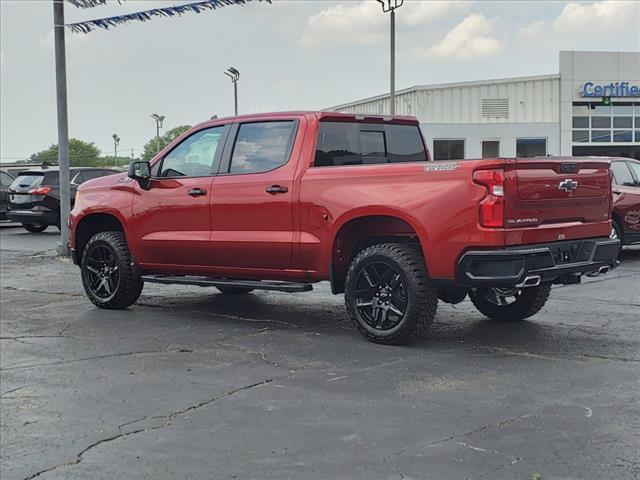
568, 185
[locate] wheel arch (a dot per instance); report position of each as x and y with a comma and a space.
361, 229
93, 223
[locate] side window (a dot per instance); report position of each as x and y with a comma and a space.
353, 143
78, 179
263, 146
622, 174
6, 179
193, 157
635, 168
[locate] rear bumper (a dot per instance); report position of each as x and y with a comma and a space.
557, 262
33, 216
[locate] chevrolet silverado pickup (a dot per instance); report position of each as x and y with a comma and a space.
281, 201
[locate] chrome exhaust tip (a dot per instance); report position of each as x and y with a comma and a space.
530, 281
600, 271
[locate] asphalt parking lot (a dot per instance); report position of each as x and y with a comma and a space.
190, 383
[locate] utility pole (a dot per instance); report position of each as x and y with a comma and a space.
234, 75
116, 142
63, 125
389, 6
159, 119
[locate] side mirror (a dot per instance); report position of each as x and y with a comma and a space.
141, 173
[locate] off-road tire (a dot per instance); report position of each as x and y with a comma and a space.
129, 284
34, 227
228, 290
422, 298
531, 300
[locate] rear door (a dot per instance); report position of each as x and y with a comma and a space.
548, 193
252, 201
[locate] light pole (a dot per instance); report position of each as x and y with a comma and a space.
389, 6
116, 142
234, 75
159, 119
63, 128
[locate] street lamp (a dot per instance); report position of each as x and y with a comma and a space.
390, 6
116, 142
159, 119
234, 75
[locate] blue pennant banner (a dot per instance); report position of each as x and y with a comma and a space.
177, 10
87, 3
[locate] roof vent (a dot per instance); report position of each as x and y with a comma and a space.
495, 107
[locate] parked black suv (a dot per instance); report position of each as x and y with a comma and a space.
6, 179
34, 196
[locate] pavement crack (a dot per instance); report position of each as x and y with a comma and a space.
11, 391
42, 292
479, 429
168, 421
86, 359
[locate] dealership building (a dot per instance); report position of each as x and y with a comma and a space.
592, 107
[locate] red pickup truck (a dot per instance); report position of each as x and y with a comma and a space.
280, 201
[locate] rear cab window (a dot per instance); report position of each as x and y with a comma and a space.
361, 143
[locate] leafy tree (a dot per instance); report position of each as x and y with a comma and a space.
110, 161
81, 154
151, 147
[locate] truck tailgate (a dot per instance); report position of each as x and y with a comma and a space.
557, 193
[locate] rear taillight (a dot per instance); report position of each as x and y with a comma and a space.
40, 191
491, 207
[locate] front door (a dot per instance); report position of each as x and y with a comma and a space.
252, 197
172, 218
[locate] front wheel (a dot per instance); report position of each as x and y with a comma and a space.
510, 304
389, 295
108, 276
34, 227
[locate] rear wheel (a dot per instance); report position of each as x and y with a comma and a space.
388, 294
34, 227
109, 279
234, 290
510, 304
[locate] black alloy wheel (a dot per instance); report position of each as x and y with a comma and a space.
381, 295
388, 294
510, 303
109, 275
103, 276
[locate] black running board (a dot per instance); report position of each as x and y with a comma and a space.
273, 285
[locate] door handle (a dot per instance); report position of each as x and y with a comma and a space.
273, 189
197, 192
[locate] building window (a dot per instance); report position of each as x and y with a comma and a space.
531, 147
598, 136
490, 149
596, 123
448, 149
581, 135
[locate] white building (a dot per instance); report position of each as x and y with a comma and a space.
592, 107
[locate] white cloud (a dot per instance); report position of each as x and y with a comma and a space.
606, 15
363, 23
471, 38
578, 21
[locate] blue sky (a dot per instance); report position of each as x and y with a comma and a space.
298, 54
